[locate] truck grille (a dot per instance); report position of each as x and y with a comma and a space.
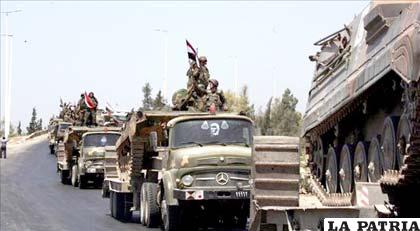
222, 178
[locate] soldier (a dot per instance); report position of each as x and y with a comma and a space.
81, 108
215, 97
91, 111
204, 75
192, 73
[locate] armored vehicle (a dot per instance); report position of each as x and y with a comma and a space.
362, 117
90, 156
180, 167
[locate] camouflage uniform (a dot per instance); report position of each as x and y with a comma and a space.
91, 112
215, 97
81, 109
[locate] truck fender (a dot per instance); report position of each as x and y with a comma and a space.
168, 182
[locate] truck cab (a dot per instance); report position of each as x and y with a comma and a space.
90, 157
207, 169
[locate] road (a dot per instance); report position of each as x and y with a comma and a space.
32, 197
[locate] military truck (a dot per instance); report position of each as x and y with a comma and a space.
362, 118
179, 167
90, 157
71, 150
57, 130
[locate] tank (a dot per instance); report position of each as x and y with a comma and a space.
361, 122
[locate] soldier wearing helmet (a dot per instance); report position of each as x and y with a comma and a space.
215, 97
193, 74
204, 74
91, 112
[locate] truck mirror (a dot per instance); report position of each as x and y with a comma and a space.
153, 139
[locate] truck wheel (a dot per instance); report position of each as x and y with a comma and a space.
105, 190
82, 182
121, 206
112, 203
74, 174
170, 217
52, 149
143, 202
64, 176
151, 208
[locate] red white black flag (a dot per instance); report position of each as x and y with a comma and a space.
89, 102
192, 54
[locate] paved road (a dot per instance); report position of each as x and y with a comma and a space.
32, 198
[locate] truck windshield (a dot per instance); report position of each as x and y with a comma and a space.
212, 131
100, 140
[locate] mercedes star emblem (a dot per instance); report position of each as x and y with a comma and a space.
222, 178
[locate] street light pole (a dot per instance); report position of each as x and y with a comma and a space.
7, 80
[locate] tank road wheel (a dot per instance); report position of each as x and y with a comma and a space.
331, 171
403, 135
360, 171
374, 161
319, 158
74, 174
345, 172
389, 142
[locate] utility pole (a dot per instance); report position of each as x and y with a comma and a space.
7, 80
165, 63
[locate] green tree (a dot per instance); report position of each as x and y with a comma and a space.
39, 125
266, 120
159, 102
147, 97
285, 120
240, 103
19, 129
33, 123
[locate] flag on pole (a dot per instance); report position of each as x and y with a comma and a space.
192, 53
89, 102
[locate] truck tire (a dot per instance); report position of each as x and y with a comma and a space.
82, 182
74, 177
120, 204
170, 217
105, 190
143, 202
52, 151
64, 176
151, 208
111, 203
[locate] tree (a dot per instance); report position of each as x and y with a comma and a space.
285, 120
33, 123
39, 125
240, 103
266, 119
159, 102
19, 129
147, 97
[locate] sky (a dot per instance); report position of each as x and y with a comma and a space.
112, 48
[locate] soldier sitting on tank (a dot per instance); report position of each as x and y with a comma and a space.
214, 97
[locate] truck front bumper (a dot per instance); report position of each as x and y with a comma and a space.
208, 194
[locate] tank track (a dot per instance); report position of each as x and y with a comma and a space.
328, 199
403, 186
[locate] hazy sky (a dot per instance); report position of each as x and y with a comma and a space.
61, 49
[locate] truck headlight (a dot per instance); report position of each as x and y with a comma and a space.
187, 180
91, 170
88, 163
